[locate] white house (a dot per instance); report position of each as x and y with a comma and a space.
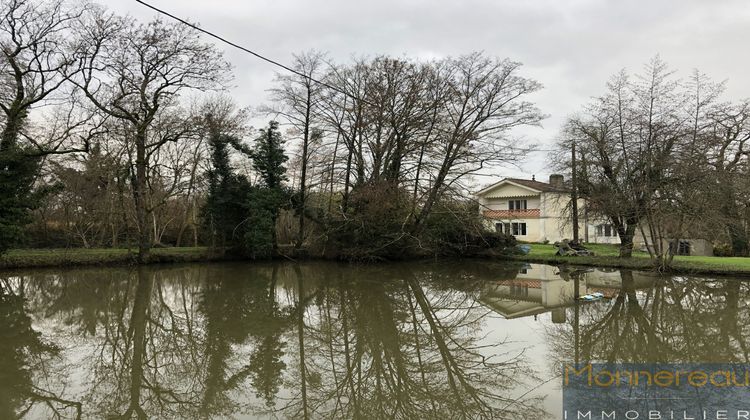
536, 211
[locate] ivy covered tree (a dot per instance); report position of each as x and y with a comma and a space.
239, 215
266, 199
269, 157
17, 174
227, 204
36, 62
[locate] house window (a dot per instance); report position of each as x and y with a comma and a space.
514, 228
605, 230
679, 247
517, 205
519, 291
519, 229
502, 228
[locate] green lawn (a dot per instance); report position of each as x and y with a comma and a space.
740, 264
606, 256
603, 250
19, 258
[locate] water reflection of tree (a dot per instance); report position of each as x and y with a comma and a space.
147, 361
22, 352
673, 320
402, 349
199, 341
192, 359
237, 307
165, 343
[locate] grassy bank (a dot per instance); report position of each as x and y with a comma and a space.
28, 258
606, 256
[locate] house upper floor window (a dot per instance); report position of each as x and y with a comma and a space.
605, 230
517, 205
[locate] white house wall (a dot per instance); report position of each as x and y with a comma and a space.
557, 226
553, 223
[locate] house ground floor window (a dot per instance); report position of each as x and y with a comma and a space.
514, 228
606, 230
679, 247
519, 291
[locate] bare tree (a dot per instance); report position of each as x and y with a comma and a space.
37, 59
728, 147
296, 100
36, 62
135, 73
656, 148
629, 136
486, 100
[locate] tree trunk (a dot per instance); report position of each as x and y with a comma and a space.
393, 174
434, 194
416, 178
574, 193
180, 232
303, 175
13, 121
139, 194
626, 238
347, 181
333, 167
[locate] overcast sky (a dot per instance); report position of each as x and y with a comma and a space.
571, 46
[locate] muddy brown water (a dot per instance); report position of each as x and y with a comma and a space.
453, 339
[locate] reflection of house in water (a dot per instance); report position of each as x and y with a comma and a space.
543, 288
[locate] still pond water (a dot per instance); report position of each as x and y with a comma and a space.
457, 339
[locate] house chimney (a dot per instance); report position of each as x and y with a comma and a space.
556, 180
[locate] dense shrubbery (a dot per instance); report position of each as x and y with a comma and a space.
723, 250
374, 226
378, 226
457, 228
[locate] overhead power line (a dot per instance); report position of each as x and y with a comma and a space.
247, 50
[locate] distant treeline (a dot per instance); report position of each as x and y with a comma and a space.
664, 158
115, 133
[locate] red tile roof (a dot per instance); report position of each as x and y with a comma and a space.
538, 185
512, 214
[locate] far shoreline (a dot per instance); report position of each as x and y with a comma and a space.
540, 254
